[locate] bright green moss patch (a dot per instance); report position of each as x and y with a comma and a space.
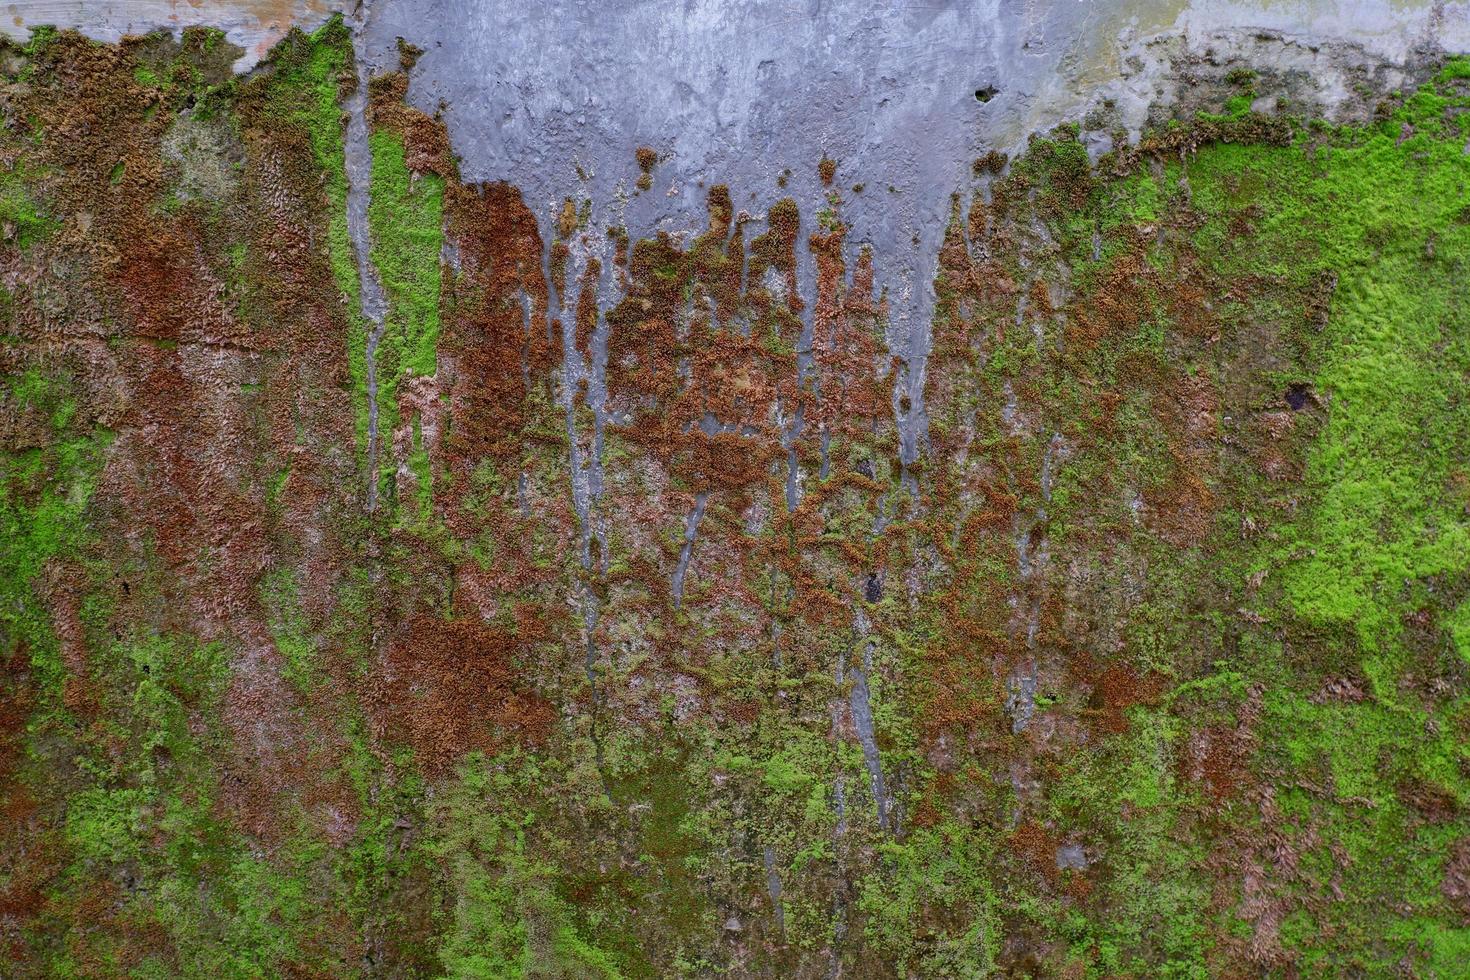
406, 218
22, 220
44, 492
1376, 526
1457, 623
1377, 209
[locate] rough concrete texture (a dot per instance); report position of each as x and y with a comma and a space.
253, 26
556, 97
821, 489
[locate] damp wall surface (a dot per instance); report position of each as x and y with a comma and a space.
556, 97
650, 490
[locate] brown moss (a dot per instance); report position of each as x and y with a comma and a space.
426, 147
1118, 305
1455, 885
1038, 847
495, 344
1115, 688
992, 162
448, 687
408, 55
647, 157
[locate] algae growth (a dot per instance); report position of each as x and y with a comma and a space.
657, 658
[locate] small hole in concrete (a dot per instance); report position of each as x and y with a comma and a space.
986, 94
1297, 395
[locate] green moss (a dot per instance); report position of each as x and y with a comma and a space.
1377, 525
25, 221
303, 91
936, 876
406, 217
1378, 213
1239, 105
44, 492
289, 628
102, 825
1457, 624
505, 916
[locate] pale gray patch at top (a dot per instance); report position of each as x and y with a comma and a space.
736, 92
554, 97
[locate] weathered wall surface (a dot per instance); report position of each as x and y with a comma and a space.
735, 489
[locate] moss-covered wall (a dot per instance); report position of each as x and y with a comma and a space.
653, 658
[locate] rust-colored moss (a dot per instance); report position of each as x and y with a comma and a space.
448, 687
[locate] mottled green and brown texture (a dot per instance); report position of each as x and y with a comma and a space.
1154, 665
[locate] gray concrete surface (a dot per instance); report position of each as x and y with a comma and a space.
253, 25
556, 96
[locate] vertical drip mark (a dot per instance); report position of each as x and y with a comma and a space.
584, 377
358, 156
691, 528
773, 888
860, 700
793, 467
1032, 557
839, 904
805, 366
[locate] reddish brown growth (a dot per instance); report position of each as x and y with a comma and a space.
1214, 761
1217, 758
16, 701
827, 170
496, 342
1184, 507
149, 311
1434, 803
732, 377
447, 687
1115, 689
1456, 882
846, 343
1038, 846
425, 140
1119, 304
647, 157
992, 162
